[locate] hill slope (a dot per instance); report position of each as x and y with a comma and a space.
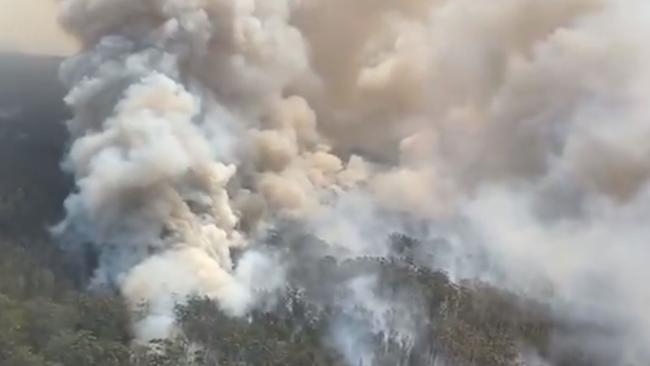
32, 138
46, 320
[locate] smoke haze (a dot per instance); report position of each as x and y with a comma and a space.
515, 129
30, 26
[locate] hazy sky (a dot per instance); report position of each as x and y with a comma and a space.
31, 26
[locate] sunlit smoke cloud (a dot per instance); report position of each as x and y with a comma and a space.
515, 128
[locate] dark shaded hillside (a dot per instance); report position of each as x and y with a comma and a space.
44, 319
32, 138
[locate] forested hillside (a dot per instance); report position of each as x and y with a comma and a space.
47, 317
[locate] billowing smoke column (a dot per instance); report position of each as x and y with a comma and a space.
185, 142
515, 126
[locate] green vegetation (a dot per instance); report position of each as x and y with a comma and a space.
45, 321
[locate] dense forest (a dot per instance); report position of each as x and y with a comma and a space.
47, 317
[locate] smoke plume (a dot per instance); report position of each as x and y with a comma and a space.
514, 128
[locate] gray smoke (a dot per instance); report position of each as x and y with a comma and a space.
512, 127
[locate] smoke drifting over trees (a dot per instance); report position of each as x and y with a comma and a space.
254, 152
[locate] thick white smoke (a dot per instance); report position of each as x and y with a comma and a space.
201, 123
